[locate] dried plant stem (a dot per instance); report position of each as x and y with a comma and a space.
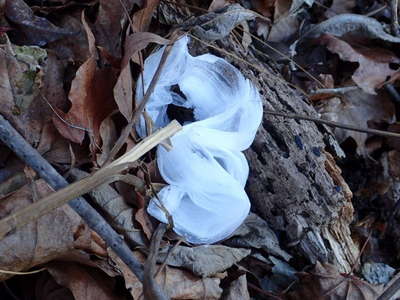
22, 273
336, 91
151, 289
126, 131
10, 137
105, 175
333, 124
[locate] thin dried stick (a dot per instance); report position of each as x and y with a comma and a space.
10, 137
22, 273
126, 131
287, 57
102, 176
333, 124
336, 91
151, 289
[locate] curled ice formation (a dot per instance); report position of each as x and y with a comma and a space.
206, 170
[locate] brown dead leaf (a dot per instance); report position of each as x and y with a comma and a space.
123, 93
91, 98
24, 74
394, 163
284, 24
142, 18
357, 108
266, 8
138, 41
108, 134
143, 219
123, 89
178, 284
115, 209
32, 30
50, 237
74, 48
376, 65
110, 21
325, 282
84, 282
284, 28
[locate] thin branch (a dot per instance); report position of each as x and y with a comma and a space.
10, 137
126, 131
104, 175
336, 91
151, 289
22, 273
333, 124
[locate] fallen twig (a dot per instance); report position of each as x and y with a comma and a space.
391, 290
339, 90
333, 124
139, 110
10, 137
151, 290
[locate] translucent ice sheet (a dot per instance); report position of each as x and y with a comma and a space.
206, 170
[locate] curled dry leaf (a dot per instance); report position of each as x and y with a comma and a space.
205, 260
115, 209
357, 108
376, 65
56, 234
33, 30
108, 134
143, 218
142, 18
361, 26
326, 282
178, 284
138, 41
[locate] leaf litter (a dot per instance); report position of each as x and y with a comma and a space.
68, 73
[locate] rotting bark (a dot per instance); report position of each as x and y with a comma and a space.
294, 184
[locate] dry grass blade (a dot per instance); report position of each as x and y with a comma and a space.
37, 209
139, 110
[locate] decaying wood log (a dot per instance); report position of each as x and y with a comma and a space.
294, 184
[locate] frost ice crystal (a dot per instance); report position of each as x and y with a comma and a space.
206, 170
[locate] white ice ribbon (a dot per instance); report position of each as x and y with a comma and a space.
206, 170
